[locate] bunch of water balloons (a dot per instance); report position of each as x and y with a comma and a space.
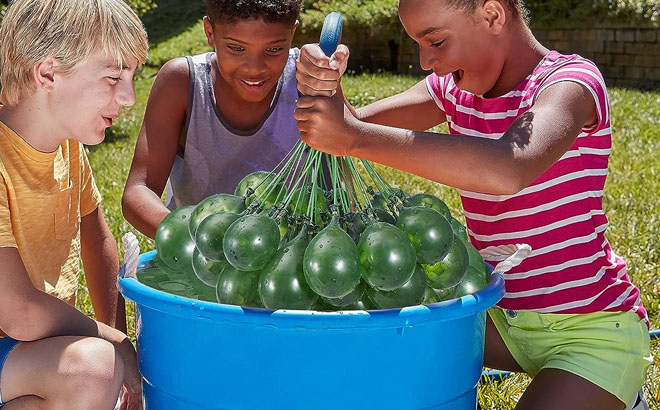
318, 232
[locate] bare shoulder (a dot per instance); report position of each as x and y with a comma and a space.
572, 98
175, 69
173, 78
171, 87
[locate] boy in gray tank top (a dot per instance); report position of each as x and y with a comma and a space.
213, 118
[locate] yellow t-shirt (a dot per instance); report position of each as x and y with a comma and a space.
42, 199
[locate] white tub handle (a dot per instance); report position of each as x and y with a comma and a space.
131, 254
509, 255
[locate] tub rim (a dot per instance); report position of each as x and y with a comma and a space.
147, 297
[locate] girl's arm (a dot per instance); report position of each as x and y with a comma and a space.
495, 166
156, 148
414, 109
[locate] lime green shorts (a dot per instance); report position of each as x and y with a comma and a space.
609, 349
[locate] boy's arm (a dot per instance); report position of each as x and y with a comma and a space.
27, 314
101, 263
414, 109
495, 166
156, 148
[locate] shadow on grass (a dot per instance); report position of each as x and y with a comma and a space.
116, 134
112, 136
172, 17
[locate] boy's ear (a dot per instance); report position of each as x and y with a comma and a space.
44, 73
208, 31
293, 30
494, 15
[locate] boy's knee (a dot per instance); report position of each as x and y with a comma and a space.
92, 371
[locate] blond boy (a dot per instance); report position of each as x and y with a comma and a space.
66, 70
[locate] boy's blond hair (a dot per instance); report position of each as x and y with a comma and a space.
69, 30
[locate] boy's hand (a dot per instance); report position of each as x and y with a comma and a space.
326, 125
317, 74
132, 378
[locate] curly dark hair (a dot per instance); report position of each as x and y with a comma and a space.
270, 11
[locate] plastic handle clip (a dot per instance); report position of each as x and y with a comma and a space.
331, 33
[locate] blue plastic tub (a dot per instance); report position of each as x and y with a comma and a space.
199, 355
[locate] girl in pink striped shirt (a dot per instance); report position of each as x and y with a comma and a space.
528, 149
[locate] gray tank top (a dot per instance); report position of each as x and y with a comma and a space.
217, 156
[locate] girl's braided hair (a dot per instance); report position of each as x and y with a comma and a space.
270, 11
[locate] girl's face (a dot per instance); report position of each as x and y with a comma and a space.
452, 41
251, 55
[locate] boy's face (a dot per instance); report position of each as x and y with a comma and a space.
251, 55
452, 41
87, 101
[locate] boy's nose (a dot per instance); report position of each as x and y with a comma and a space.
126, 94
255, 63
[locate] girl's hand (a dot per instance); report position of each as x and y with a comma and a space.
318, 74
326, 124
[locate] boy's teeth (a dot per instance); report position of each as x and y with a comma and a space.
253, 83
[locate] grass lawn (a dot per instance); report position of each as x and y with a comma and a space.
631, 199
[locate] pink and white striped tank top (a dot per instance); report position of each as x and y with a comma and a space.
572, 268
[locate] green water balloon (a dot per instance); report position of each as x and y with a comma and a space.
429, 232
214, 204
458, 228
387, 257
250, 241
174, 244
349, 299
410, 293
440, 295
259, 182
450, 270
208, 271
473, 282
211, 232
430, 201
282, 284
238, 288
332, 262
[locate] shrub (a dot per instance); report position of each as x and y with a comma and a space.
556, 13
357, 14
594, 12
140, 6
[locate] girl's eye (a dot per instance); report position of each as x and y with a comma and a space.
274, 50
438, 44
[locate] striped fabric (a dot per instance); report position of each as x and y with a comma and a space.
572, 268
